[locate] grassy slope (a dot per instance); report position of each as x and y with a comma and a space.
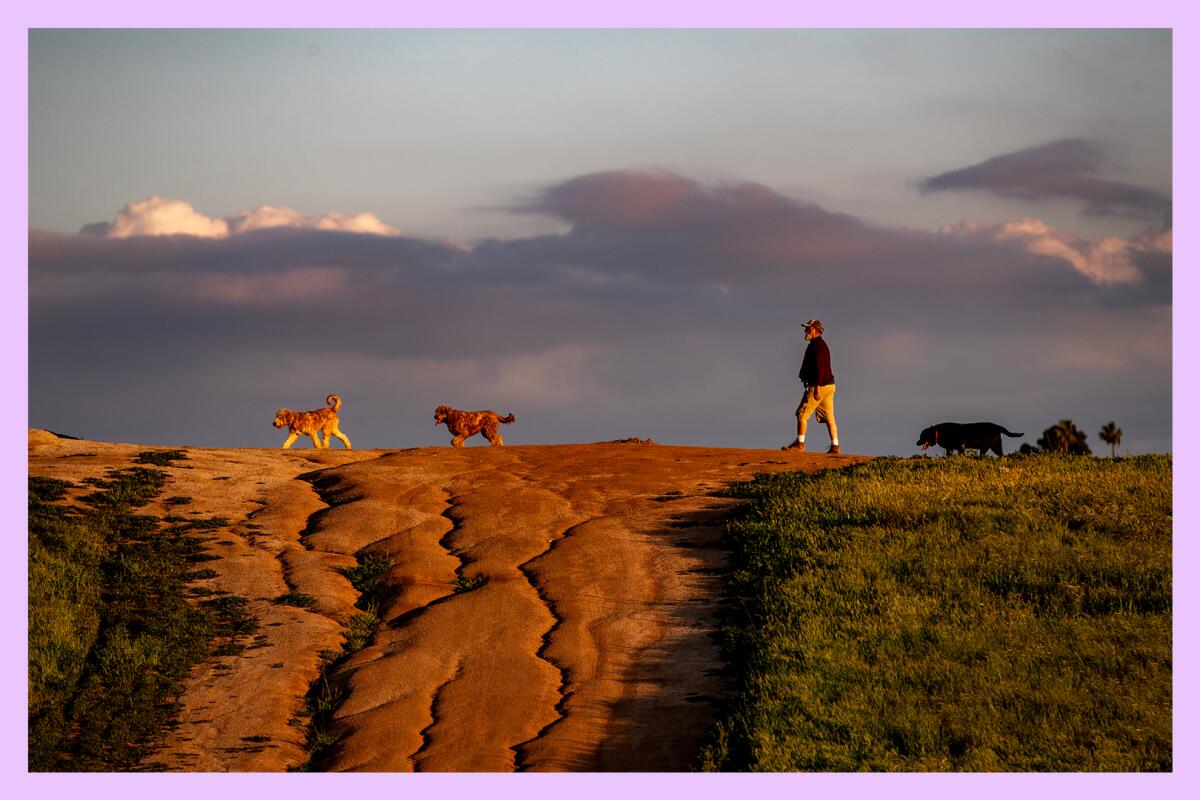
953, 614
111, 632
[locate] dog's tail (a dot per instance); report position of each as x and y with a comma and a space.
1007, 432
509, 419
334, 401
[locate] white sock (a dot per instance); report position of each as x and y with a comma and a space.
835, 441
800, 438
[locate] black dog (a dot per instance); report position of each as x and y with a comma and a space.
957, 436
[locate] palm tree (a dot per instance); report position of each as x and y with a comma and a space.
1065, 438
1111, 434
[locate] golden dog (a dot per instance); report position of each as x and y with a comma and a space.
465, 424
311, 423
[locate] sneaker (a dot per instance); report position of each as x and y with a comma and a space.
794, 446
836, 449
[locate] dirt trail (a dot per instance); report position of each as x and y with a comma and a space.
550, 607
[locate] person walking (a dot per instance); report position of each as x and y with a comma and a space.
817, 376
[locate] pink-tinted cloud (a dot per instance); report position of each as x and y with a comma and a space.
281, 288
1066, 168
1105, 261
633, 200
621, 199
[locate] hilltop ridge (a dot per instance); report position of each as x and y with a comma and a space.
535, 607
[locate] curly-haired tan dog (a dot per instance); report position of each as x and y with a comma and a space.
464, 424
311, 423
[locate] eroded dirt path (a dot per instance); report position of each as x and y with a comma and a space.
550, 607
589, 644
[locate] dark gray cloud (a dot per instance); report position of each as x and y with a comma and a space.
1066, 168
668, 309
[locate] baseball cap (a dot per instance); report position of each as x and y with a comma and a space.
814, 323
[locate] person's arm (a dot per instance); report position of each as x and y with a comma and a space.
824, 368
807, 365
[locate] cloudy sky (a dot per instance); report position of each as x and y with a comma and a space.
607, 233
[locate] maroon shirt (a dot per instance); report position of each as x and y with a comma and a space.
815, 369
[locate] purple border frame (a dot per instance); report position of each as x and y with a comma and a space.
614, 14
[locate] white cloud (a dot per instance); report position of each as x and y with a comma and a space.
356, 223
157, 216
282, 217
265, 217
1105, 261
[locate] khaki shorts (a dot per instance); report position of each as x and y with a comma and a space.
823, 407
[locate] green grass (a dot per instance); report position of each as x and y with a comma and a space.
111, 633
952, 614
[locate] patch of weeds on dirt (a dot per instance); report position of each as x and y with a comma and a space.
200, 574
297, 599
161, 458
183, 524
368, 576
327, 693
47, 490
232, 623
465, 584
122, 490
177, 500
359, 631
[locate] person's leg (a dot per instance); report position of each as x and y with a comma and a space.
803, 412
825, 414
